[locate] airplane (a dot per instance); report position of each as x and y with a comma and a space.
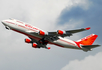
40, 38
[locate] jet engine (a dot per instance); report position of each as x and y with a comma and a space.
34, 45
27, 40
60, 32
42, 33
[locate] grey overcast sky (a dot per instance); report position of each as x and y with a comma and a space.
50, 15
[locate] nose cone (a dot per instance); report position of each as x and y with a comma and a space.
3, 22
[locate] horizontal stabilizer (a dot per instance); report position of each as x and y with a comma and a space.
90, 46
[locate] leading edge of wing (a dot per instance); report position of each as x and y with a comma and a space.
78, 30
68, 32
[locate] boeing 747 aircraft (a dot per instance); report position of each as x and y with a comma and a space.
40, 38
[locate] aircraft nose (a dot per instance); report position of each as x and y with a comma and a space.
3, 22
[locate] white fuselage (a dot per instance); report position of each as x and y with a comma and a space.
25, 28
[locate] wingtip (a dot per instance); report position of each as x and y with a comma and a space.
49, 48
95, 35
88, 28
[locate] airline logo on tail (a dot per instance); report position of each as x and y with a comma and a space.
89, 40
86, 43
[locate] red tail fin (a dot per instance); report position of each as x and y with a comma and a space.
88, 40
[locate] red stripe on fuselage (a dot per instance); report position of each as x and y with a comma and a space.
67, 42
25, 26
27, 34
56, 44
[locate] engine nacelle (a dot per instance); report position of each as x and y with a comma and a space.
42, 33
60, 32
34, 45
27, 40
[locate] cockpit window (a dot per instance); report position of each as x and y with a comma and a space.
11, 19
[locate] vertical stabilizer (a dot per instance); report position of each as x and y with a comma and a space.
89, 40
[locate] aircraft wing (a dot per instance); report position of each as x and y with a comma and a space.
52, 36
78, 30
68, 32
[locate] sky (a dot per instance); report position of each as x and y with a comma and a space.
50, 15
